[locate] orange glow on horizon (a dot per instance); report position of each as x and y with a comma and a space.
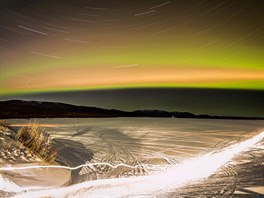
108, 76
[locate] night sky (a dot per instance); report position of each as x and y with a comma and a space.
129, 52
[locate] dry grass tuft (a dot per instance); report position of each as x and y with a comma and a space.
38, 142
4, 124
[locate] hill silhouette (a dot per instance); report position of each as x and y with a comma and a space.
36, 109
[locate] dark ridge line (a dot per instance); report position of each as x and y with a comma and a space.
20, 109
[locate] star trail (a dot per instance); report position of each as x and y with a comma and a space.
50, 47
83, 45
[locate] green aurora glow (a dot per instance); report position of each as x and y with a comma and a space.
168, 41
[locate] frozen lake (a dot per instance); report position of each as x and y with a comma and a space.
147, 147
